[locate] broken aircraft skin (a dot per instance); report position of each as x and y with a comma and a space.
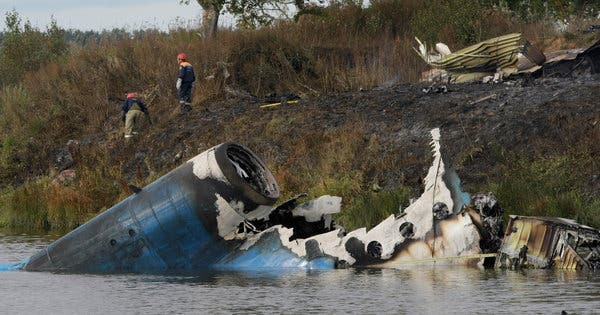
507, 56
179, 222
216, 211
547, 242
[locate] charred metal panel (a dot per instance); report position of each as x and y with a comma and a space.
412, 236
574, 62
543, 242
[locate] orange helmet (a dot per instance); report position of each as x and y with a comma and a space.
181, 56
130, 95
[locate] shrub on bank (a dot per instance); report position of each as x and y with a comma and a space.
549, 186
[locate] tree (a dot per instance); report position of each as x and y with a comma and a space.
26, 48
210, 15
562, 9
251, 13
211, 10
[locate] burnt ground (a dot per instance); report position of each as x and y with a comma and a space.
481, 124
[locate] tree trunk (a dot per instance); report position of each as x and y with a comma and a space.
211, 10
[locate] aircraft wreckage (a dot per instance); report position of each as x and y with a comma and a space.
216, 211
509, 55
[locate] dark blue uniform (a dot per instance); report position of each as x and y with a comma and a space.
131, 115
135, 104
186, 77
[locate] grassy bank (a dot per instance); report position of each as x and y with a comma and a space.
66, 94
550, 186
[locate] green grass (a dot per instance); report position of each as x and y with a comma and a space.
369, 208
25, 206
549, 186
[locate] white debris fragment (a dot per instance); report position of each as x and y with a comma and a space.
228, 218
315, 209
415, 236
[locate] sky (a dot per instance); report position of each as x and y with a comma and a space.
104, 14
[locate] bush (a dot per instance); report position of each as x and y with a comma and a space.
370, 208
19, 121
41, 204
26, 206
25, 48
549, 186
261, 60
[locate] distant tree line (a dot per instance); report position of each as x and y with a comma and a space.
24, 47
561, 9
257, 13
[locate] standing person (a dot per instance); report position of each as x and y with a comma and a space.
185, 83
132, 113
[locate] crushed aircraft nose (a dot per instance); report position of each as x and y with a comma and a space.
543, 242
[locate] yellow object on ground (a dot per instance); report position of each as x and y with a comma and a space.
277, 104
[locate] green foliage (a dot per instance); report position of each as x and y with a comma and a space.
462, 20
25, 206
256, 13
40, 204
16, 126
391, 16
370, 208
466, 22
549, 186
537, 9
71, 205
25, 48
250, 14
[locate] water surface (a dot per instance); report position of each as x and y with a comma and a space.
420, 290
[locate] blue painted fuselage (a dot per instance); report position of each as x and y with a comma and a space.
170, 224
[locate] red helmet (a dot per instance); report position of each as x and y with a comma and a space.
181, 56
130, 95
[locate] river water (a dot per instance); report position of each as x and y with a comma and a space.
420, 290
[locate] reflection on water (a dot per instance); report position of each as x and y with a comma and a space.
409, 291
15, 247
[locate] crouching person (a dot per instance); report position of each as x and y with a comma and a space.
131, 115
